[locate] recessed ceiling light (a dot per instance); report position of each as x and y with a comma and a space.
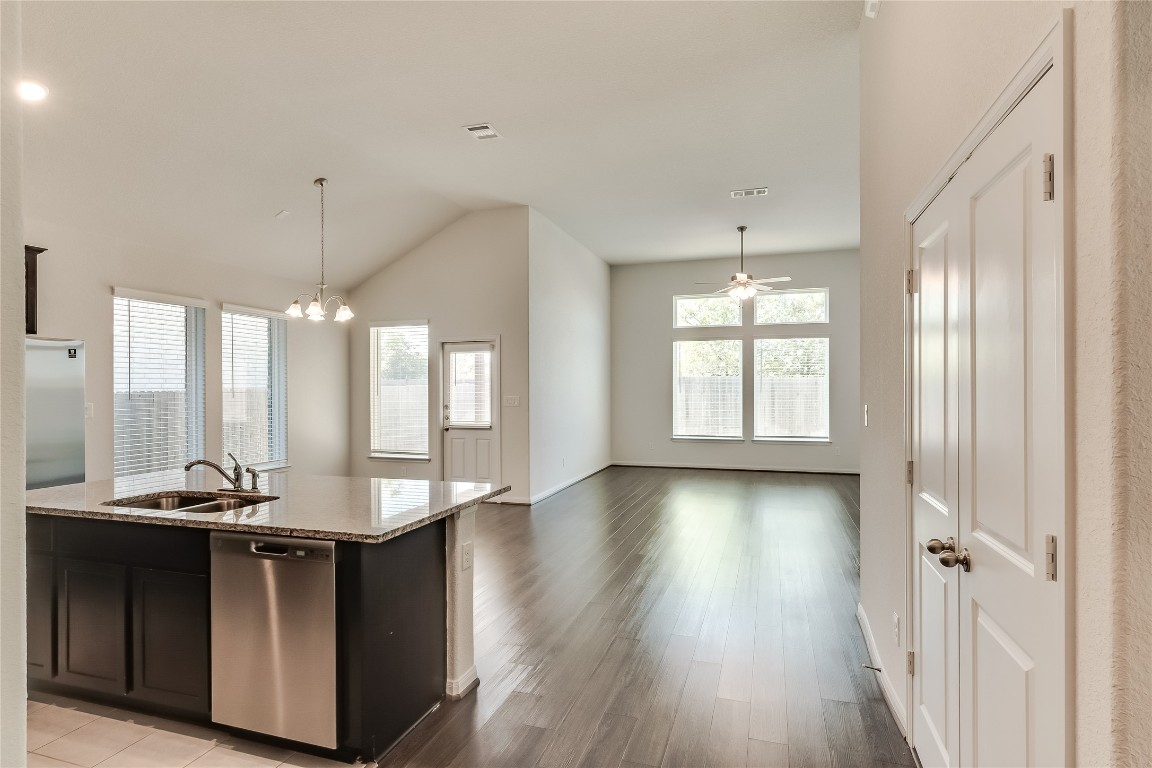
30, 90
754, 192
482, 131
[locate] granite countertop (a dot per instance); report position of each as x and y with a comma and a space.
364, 509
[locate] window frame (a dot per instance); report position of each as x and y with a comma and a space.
675, 388
793, 323
379, 454
748, 333
788, 439
676, 315
277, 375
195, 375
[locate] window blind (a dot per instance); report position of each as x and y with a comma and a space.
791, 388
254, 373
399, 391
803, 305
707, 393
158, 385
469, 388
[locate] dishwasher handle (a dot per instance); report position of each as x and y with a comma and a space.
268, 548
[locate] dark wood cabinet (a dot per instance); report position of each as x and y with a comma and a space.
92, 649
169, 638
120, 611
41, 615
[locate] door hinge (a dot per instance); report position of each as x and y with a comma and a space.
908, 472
910, 282
1049, 177
912, 662
1049, 557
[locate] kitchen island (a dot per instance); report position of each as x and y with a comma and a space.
142, 607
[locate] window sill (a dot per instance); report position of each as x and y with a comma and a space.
398, 457
272, 466
792, 440
702, 439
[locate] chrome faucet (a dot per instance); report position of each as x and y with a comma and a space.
235, 478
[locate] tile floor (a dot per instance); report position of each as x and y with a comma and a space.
66, 733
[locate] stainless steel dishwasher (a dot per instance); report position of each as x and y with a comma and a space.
274, 636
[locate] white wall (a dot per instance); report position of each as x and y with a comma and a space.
929, 71
569, 349
76, 275
13, 649
469, 280
642, 337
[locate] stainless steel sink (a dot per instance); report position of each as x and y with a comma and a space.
199, 502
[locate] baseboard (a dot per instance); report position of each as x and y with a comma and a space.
537, 498
757, 468
461, 687
886, 686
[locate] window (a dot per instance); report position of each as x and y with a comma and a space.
706, 311
399, 392
468, 387
254, 377
806, 305
791, 388
707, 398
158, 384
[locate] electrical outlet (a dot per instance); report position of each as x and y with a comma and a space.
836, 451
896, 628
466, 556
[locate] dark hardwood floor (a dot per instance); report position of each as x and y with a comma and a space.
660, 617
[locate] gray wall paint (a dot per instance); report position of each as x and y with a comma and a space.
642, 337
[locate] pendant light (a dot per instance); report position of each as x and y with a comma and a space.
318, 305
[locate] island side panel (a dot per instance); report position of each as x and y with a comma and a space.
393, 607
461, 534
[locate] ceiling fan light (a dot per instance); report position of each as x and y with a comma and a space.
343, 313
294, 310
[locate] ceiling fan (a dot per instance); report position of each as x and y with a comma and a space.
743, 285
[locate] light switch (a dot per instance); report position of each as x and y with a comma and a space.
511, 401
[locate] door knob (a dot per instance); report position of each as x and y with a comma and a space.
935, 546
953, 559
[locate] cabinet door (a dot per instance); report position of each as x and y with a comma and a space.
92, 625
170, 639
41, 614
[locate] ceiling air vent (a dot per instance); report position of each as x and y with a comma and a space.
482, 131
757, 192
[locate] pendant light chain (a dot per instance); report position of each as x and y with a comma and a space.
321, 235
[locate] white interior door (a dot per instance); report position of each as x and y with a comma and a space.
988, 374
471, 416
939, 239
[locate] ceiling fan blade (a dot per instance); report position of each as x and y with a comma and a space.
773, 280
725, 289
699, 283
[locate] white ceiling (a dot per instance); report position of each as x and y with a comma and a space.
188, 125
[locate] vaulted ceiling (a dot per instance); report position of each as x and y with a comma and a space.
189, 125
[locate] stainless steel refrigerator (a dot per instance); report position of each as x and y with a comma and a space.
54, 411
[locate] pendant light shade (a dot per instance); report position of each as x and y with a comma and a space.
316, 305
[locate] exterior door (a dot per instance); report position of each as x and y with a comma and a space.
470, 418
988, 447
